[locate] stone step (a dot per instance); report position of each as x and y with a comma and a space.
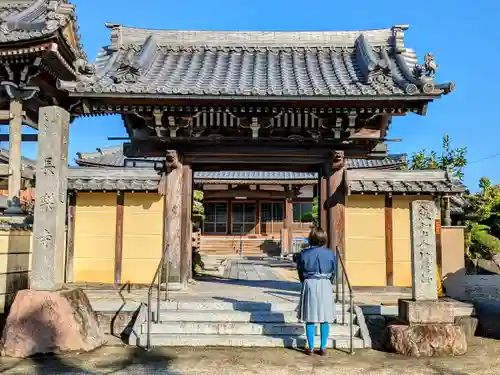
220, 328
247, 306
238, 316
339, 342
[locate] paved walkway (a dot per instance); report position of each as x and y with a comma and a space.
483, 358
252, 270
244, 280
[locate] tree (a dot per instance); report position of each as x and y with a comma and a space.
484, 232
311, 217
198, 208
454, 159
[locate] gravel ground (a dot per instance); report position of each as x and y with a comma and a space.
483, 358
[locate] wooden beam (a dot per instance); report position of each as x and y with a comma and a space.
120, 202
70, 238
250, 194
389, 242
24, 137
186, 225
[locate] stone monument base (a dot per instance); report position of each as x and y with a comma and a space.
427, 340
429, 330
42, 322
424, 312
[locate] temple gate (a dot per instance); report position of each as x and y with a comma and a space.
296, 101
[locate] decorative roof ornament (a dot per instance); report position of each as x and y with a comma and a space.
84, 69
427, 69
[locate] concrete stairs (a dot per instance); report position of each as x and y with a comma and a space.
237, 324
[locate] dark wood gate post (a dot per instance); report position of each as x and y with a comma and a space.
335, 203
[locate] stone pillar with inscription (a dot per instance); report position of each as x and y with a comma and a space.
50, 206
429, 328
423, 250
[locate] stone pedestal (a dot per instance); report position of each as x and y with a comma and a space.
43, 322
426, 312
429, 328
427, 340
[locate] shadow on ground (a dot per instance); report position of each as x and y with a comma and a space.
96, 362
135, 360
269, 284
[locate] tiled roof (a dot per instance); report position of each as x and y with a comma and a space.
241, 64
459, 205
408, 182
22, 20
26, 162
113, 157
369, 181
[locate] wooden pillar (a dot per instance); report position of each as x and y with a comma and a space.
15, 129
120, 201
70, 237
322, 197
229, 216
289, 218
389, 242
173, 214
257, 218
186, 225
337, 190
50, 208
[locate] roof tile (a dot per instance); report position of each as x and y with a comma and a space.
216, 63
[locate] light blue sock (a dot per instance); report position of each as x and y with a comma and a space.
325, 332
310, 332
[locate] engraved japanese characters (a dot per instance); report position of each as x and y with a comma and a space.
423, 250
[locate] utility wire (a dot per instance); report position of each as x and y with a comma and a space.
485, 158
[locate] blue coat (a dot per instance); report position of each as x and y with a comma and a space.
319, 260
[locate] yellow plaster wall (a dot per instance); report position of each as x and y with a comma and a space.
95, 231
365, 240
142, 236
15, 264
401, 238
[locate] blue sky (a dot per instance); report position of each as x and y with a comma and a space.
462, 34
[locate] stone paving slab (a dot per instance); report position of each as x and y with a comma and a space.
483, 358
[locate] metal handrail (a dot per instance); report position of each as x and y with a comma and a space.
344, 280
157, 275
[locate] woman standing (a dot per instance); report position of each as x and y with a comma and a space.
316, 268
